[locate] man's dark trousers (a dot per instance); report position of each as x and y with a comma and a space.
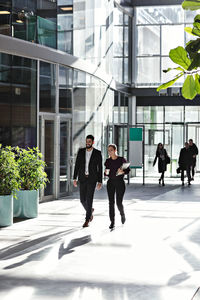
87, 189
188, 174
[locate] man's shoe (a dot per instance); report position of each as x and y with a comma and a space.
112, 225
86, 224
192, 178
189, 183
123, 219
91, 218
182, 183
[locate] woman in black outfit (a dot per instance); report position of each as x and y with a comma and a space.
161, 154
115, 183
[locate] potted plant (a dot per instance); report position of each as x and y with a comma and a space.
9, 184
32, 177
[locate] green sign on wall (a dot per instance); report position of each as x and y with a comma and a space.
136, 147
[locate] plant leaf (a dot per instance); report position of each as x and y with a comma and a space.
192, 5
169, 83
197, 18
195, 62
189, 88
196, 31
197, 83
193, 47
179, 56
197, 25
189, 30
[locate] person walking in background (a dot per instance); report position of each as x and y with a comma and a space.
115, 170
88, 169
185, 162
162, 156
194, 151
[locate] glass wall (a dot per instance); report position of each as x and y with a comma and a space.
94, 30
121, 59
47, 87
24, 19
164, 25
171, 126
65, 90
120, 109
17, 101
5, 17
101, 34
65, 25
93, 103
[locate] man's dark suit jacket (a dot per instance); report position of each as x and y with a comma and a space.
95, 166
185, 158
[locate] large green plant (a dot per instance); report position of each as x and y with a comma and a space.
188, 58
31, 168
9, 172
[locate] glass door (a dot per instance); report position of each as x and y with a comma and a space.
193, 132
66, 161
174, 141
55, 143
120, 139
47, 147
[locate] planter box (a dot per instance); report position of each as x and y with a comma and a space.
6, 210
26, 204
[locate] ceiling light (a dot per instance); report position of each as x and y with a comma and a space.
4, 12
67, 8
19, 21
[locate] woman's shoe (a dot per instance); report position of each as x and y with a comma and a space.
123, 219
163, 184
159, 181
112, 225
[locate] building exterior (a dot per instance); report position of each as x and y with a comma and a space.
69, 68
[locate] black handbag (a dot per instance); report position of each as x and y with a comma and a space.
178, 170
167, 160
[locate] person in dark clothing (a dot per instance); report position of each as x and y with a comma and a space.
88, 169
185, 162
194, 150
161, 154
115, 184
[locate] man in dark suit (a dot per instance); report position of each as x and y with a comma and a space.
185, 162
88, 169
194, 150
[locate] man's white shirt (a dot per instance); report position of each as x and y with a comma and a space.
87, 160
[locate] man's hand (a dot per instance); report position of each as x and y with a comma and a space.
75, 183
99, 185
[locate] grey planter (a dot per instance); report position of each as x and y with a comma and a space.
6, 210
26, 204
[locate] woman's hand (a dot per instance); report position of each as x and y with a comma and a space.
120, 171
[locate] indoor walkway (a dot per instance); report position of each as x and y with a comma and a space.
155, 255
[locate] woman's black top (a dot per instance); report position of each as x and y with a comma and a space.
113, 165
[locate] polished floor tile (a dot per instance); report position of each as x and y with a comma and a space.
155, 255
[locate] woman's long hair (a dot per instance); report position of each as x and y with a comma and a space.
158, 148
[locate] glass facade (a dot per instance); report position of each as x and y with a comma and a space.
18, 98
95, 31
47, 87
93, 103
171, 126
59, 108
164, 25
